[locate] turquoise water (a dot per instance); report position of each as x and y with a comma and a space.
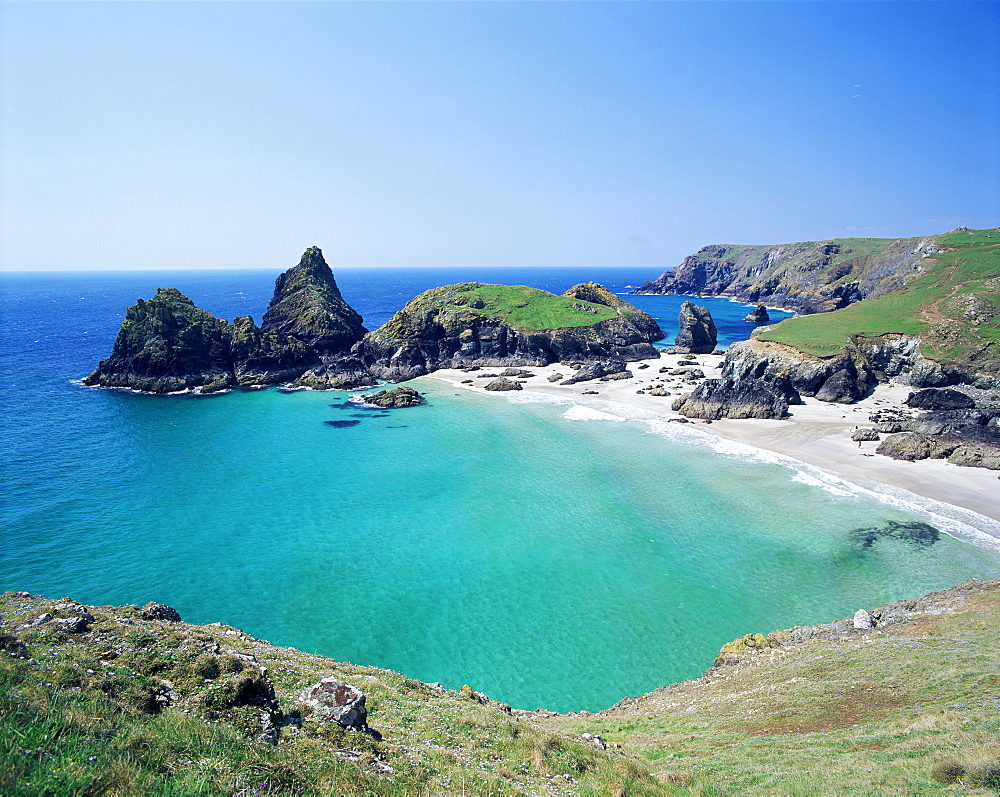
544, 560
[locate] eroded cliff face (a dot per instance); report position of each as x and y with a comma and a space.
475, 324
809, 277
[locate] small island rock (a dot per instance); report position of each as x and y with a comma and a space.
395, 398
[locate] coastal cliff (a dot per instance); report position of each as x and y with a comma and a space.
809, 277
472, 323
210, 708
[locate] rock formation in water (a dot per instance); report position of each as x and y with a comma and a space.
167, 344
467, 324
808, 277
758, 316
396, 397
697, 333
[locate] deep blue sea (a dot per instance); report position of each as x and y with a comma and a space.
549, 555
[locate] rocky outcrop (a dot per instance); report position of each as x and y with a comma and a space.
332, 700
697, 333
967, 435
502, 384
395, 398
758, 316
809, 277
458, 326
598, 370
940, 399
168, 344
307, 306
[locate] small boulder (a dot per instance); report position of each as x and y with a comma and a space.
157, 611
555, 377
332, 700
863, 620
864, 435
905, 445
504, 384
395, 398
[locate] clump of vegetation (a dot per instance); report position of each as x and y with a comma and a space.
915, 533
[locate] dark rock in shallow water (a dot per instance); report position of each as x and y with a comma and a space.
341, 424
697, 330
758, 316
916, 533
395, 398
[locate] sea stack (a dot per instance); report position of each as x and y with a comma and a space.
307, 305
758, 316
697, 330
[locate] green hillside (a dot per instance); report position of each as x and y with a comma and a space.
954, 307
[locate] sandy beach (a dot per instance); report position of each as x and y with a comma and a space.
816, 433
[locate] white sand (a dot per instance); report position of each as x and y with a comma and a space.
817, 433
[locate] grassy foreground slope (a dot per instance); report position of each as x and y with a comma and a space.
953, 307
913, 708
133, 705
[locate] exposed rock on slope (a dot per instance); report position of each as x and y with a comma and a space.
810, 277
307, 305
167, 344
472, 323
697, 333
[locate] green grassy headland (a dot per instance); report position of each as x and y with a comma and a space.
954, 307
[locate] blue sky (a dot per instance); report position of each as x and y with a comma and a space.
236, 134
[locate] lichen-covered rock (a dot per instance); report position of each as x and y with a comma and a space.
697, 334
158, 611
307, 305
332, 700
395, 398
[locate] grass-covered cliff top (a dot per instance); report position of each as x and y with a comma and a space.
516, 306
124, 703
953, 306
